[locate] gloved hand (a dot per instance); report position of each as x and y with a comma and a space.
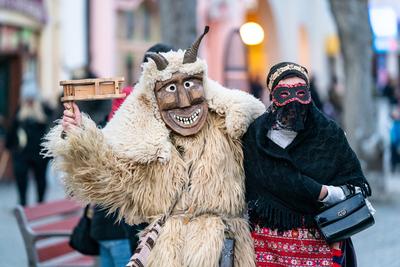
335, 194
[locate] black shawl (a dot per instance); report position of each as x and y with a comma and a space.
283, 185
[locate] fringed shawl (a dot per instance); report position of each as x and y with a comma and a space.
283, 185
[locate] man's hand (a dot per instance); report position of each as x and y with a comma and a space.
72, 116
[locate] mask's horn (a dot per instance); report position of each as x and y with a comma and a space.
191, 52
159, 59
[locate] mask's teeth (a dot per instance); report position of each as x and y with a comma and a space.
188, 120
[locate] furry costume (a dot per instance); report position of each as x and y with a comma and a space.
136, 164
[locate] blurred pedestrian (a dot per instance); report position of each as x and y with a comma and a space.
296, 162
5, 170
395, 139
333, 107
389, 91
29, 125
314, 93
256, 87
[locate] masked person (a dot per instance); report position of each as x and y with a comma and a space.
172, 149
296, 161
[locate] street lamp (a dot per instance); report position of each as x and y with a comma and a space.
251, 33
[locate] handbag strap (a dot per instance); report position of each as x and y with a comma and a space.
171, 209
89, 210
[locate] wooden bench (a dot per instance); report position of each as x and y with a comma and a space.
46, 229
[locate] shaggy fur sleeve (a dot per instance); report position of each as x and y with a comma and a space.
238, 107
91, 171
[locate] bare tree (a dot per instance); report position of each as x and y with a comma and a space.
178, 22
355, 35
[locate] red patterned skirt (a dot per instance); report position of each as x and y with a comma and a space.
294, 248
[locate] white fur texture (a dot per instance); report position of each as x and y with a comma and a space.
137, 130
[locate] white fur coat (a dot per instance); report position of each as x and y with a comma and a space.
136, 165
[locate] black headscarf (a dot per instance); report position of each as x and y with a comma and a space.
283, 185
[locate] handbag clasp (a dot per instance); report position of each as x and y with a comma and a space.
342, 213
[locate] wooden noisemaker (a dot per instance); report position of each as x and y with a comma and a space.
90, 89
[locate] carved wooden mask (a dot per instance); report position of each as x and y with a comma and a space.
182, 103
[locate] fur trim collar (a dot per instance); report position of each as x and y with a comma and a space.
137, 130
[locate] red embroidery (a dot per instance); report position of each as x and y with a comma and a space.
290, 85
290, 101
297, 247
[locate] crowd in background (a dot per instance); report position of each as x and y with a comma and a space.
391, 92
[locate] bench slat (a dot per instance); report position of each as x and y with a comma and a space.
66, 224
81, 260
56, 218
51, 208
54, 250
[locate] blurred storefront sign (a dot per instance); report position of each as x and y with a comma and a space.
383, 21
386, 44
32, 8
384, 27
13, 39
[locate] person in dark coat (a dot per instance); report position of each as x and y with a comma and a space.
29, 125
296, 161
256, 87
314, 94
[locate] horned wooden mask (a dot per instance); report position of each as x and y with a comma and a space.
181, 98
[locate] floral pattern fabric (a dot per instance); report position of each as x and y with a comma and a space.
293, 248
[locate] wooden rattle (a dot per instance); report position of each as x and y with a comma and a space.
90, 89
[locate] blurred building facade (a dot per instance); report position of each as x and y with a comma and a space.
59, 37
21, 26
46, 37
293, 31
121, 30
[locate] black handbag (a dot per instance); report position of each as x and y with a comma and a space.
80, 239
344, 219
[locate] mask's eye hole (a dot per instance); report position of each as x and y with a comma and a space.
284, 94
188, 84
301, 93
171, 88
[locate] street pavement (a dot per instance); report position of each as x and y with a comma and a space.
378, 246
12, 250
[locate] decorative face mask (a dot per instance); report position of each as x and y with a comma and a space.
284, 94
181, 103
180, 99
291, 98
